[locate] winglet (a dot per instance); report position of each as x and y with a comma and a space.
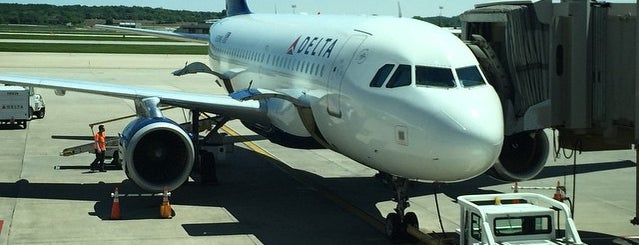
236, 7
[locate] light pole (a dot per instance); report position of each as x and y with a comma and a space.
440, 15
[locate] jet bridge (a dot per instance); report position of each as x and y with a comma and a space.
570, 66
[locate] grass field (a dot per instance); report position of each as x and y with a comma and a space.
103, 37
64, 33
102, 48
48, 29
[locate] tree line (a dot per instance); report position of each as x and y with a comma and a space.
442, 21
45, 14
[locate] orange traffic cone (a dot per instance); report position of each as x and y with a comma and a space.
115, 208
559, 194
165, 209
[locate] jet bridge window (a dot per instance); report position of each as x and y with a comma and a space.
470, 76
434, 76
401, 77
381, 75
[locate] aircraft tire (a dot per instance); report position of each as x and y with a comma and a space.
116, 160
411, 219
393, 226
208, 170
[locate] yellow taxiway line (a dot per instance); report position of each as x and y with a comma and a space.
374, 222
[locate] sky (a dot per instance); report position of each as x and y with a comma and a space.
410, 8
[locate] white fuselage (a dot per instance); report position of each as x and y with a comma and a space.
416, 128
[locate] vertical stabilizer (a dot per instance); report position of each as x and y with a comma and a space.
236, 7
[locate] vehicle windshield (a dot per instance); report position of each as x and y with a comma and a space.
434, 76
470, 76
527, 225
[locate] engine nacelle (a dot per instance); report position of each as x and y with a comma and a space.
156, 153
522, 157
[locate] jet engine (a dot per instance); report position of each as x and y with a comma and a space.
522, 157
156, 153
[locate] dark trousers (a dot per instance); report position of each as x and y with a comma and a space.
98, 163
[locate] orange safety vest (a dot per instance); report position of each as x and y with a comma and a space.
100, 141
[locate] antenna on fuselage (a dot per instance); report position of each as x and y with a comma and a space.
399, 9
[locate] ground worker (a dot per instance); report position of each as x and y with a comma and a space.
99, 146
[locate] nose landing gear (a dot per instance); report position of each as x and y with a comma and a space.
396, 223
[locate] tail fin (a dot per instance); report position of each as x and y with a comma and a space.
236, 7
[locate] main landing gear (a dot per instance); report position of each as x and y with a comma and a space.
208, 149
396, 223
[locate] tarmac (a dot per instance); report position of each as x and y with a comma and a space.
266, 194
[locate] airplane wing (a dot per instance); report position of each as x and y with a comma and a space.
217, 104
200, 38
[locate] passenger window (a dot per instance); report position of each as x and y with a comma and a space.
381, 75
434, 76
470, 76
401, 77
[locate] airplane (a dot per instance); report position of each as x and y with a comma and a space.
401, 96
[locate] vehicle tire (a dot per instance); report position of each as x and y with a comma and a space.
40, 114
393, 226
30, 112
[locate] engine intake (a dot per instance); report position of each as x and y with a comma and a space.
157, 153
522, 157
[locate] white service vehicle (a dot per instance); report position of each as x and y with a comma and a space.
36, 104
514, 218
14, 105
19, 104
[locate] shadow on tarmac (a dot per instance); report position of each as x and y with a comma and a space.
272, 205
264, 200
9, 126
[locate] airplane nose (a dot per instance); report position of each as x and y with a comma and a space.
476, 122
481, 121
458, 135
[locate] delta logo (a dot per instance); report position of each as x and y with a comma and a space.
313, 46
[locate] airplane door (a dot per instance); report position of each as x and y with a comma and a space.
340, 65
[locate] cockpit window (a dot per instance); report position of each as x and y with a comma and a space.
401, 77
381, 75
434, 76
470, 76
